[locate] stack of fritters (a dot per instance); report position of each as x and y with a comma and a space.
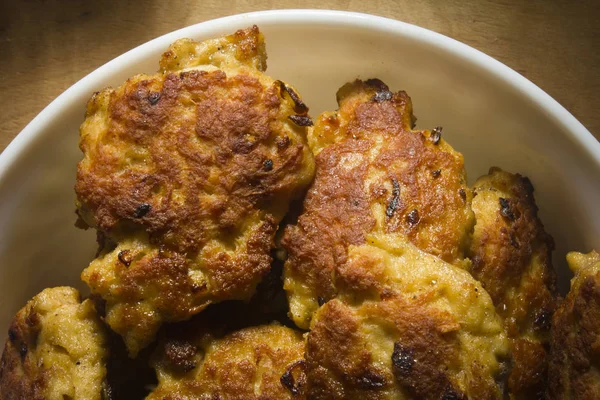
405, 283
374, 174
396, 322
186, 175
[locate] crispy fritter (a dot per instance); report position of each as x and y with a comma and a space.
186, 175
374, 174
511, 256
56, 350
574, 370
405, 325
264, 362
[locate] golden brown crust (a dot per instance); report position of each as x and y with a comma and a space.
55, 350
574, 370
264, 362
187, 174
339, 366
511, 256
410, 326
244, 47
374, 174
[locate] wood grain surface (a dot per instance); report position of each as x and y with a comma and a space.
47, 45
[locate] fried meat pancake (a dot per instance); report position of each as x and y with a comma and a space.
511, 257
405, 325
186, 174
264, 362
56, 350
374, 174
574, 370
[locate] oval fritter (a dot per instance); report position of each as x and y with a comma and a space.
511, 256
186, 174
56, 350
264, 362
374, 174
405, 325
574, 370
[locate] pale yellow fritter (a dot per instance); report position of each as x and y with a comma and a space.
258, 363
186, 174
405, 325
574, 370
56, 350
511, 256
374, 174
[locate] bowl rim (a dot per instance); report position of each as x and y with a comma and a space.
553, 110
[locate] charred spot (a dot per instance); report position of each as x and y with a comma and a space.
268, 165
542, 320
452, 394
462, 194
436, 173
505, 209
528, 185
395, 200
371, 380
380, 96
413, 217
32, 319
513, 242
320, 300
436, 134
377, 84
180, 355
23, 351
153, 97
124, 257
402, 360
282, 142
294, 384
299, 106
12, 335
197, 288
301, 120
142, 210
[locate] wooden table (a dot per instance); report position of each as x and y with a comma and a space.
47, 45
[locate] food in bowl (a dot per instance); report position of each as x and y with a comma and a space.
187, 176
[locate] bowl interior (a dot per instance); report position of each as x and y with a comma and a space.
489, 113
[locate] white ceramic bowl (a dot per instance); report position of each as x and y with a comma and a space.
489, 112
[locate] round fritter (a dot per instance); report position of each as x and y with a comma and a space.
186, 174
574, 370
374, 174
405, 325
56, 350
264, 362
511, 256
